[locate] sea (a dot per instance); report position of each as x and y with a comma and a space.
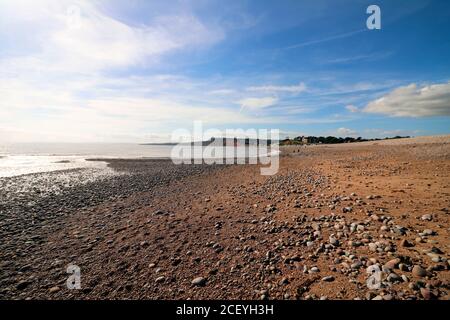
26, 158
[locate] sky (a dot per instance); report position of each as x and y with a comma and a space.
135, 71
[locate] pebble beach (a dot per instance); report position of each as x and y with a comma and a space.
149, 229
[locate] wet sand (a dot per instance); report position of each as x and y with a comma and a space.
153, 230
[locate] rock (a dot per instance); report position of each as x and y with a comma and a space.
428, 232
160, 279
23, 284
316, 226
144, 244
393, 277
391, 264
436, 250
405, 243
378, 298
418, 271
54, 289
412, 286
328, 279
399, 230
314, 269
347, 209
426, 217
373, 247
199, 281
333, 241
426, 293
370, 295
158, 212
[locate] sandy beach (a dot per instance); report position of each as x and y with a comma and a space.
149, 229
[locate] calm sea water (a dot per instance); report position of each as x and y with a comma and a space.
25, 158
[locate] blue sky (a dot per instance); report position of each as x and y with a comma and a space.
134, 71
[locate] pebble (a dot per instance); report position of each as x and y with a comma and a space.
426, 217
160, 279
328, 279
54, 289
426, 293
391, 264
333, 241
393, 277
405, 243
418, 271
199, 281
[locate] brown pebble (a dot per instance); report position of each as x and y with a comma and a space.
54, 289
418, 271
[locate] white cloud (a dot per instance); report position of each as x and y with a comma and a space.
345, 132
77, 36
414, 101
351, 108
55, 80
301, 87
257, 103
222, 92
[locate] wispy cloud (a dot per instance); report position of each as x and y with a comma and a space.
257, 103
351, 108
357, 58
79, 37
301, 87
326, 39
